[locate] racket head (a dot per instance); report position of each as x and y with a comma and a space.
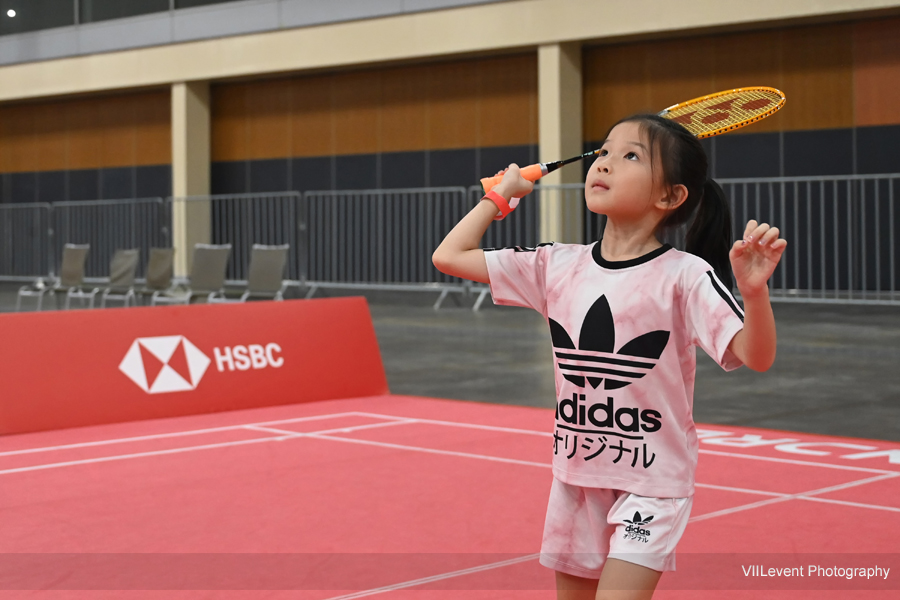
725, 111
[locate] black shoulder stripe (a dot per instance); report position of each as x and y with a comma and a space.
725, 295
519, 248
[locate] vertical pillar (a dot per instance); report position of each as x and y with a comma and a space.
191, 221
559, 124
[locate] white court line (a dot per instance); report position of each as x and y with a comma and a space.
702, 451
87, 461
800, 496
513, 461
790, 461
409, 419
393, 420
289, 433
157, 436
282, 435
424, 580
848, 503
465, 425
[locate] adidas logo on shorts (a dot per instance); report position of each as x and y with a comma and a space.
635, 530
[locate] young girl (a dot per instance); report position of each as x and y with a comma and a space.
625, 314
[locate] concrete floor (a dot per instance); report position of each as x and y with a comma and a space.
837, 371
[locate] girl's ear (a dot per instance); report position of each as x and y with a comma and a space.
676, 197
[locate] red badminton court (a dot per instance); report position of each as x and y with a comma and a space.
403, 497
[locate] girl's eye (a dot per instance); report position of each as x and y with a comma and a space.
603, 153
631, 156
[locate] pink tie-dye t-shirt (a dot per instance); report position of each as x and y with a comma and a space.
623, 337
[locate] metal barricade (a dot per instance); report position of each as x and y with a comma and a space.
109, 225
841, 231
26, 241
382, 239
246, 219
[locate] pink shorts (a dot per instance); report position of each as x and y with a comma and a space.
586, 525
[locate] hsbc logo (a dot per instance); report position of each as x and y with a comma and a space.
173, 364
163, 364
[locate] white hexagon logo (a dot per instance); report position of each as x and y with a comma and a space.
163, 364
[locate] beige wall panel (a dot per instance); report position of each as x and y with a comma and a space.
680, 70
18, 134
452, 106
312, 122
877, 72
424, 35
268, 106
115, 124
818, 77
750, 59
615, 86
356, 103
228, 121
404, 110
153, 129
507, 101
85, 140
50, 136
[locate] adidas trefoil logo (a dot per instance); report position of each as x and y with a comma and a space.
635, 530
596, 345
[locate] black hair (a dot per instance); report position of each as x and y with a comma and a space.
684, 162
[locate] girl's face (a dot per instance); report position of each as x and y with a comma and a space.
621, 183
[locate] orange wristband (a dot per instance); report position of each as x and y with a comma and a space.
501, 203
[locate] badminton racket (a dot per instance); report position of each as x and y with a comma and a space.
534, 172
705, 117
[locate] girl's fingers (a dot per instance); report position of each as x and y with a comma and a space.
751, 225
777, 249
757, 233
769, 236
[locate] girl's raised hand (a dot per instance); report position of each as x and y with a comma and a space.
754, 258
513, 184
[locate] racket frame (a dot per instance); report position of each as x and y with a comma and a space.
733, 126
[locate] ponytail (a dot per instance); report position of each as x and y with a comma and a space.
710, 235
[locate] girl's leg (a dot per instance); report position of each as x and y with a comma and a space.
570, 587
622, 580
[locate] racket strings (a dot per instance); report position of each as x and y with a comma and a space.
725, 111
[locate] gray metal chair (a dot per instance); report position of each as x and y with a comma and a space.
265, 279
160, 267
71, 278
207, 275
122, 269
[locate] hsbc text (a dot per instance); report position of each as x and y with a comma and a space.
243, 358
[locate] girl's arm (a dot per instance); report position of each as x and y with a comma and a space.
753, 260
459, 254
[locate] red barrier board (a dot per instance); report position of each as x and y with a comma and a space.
86, 367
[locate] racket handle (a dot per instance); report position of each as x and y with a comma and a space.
531, 173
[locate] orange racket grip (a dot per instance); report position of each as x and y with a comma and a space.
531, 173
